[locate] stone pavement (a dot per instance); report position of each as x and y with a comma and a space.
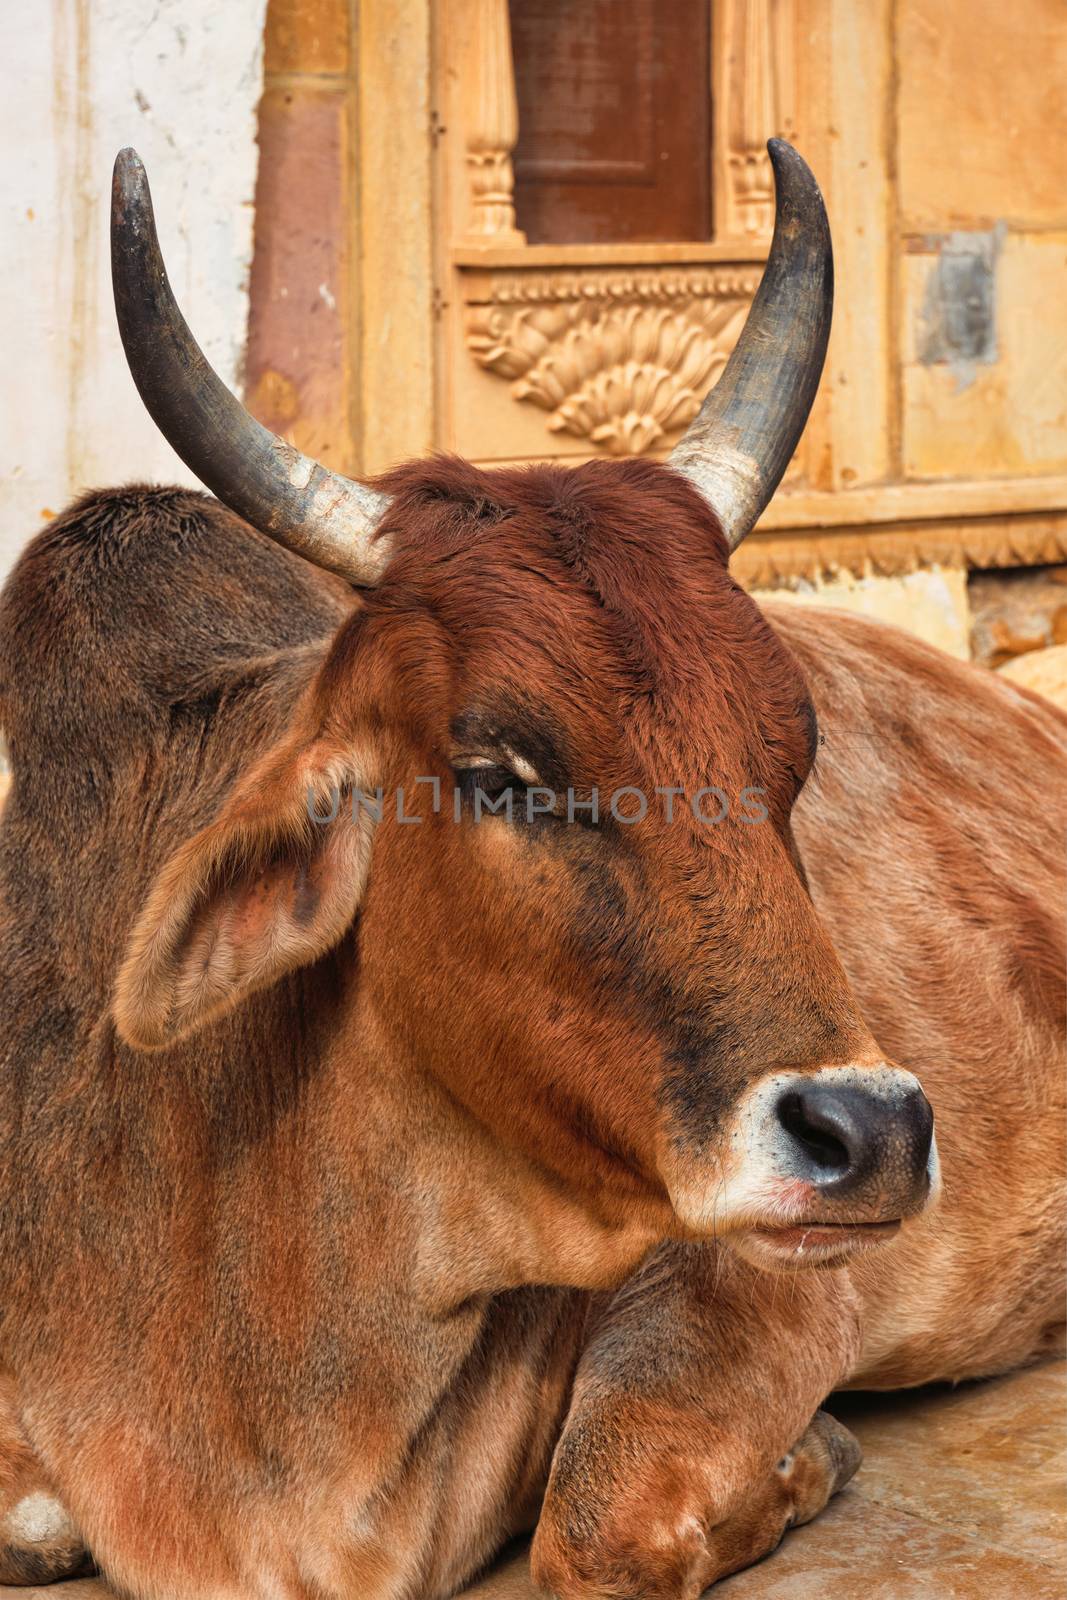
962, 1496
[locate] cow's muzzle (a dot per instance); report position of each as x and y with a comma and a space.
816, 1164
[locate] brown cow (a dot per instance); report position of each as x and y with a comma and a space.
326, 1145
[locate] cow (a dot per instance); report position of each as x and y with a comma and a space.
477, 991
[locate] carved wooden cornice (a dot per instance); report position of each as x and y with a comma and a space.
768, 561
618, 357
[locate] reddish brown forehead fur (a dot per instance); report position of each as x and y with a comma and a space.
535, 545
610, 577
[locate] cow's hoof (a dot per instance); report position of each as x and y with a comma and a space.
662, 1540
822, 1462
40, 1544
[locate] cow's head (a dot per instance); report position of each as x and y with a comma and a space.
641, 997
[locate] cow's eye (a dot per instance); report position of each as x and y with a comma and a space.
490, 779
496, 790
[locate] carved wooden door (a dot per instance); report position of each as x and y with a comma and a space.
614, 104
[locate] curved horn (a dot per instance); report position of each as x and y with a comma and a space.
327, 518
740, 442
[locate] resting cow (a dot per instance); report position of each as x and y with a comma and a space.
374, 1188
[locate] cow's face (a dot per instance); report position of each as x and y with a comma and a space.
650, 1009
580, 908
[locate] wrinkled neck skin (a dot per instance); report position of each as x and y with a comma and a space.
348, 1380
484, 1218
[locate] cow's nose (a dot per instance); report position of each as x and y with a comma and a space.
845, 1139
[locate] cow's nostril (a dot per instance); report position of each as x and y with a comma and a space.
813, 1128
848, 1140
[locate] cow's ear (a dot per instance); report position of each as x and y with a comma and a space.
269, 886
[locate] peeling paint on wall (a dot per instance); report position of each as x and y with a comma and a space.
181, 81
986, 418
957, 323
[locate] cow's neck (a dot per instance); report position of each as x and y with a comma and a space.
486, 1218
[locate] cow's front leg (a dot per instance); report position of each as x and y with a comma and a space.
38, 1540
693, 1438
678, 1547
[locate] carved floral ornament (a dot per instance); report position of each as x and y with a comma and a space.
618, 358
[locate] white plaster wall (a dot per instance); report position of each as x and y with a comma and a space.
180, 80
931, 603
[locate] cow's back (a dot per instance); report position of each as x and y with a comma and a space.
933, 832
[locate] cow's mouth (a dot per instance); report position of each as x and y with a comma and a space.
814, 1243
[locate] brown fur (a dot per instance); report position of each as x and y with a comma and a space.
271, 1307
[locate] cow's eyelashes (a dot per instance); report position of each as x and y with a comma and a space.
506, 784
523, 771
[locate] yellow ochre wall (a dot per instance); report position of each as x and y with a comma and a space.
387, 319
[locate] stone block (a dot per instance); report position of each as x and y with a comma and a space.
982, 91
1042, 671
1016, 612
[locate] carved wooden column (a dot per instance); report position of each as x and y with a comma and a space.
492, 127
753, 96
750, 168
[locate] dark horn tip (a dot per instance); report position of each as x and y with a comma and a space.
784, 154
129, 176
793, 176
128, 163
